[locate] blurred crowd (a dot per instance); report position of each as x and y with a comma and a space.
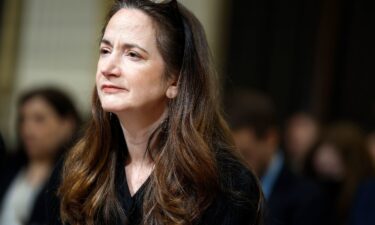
311, 172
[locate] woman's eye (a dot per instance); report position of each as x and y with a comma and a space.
104, 51
134, 55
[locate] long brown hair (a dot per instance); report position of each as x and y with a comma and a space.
185, 179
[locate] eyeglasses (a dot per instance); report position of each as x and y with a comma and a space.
162, 1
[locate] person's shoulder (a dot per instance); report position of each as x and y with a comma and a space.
368, 184
56, 176
236, 175
52, 198
366, 191
2, 148
240, 197
238, 183
290, 184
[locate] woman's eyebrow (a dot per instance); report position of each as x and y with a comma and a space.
124, 45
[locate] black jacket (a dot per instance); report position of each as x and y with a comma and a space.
363, 212
8, 172
295, 200
2, 150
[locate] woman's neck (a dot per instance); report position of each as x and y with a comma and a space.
137, 129
38, 171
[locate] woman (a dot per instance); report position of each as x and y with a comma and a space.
47, 123
370, 140
302, 131
157, 150
2, 149
341, 163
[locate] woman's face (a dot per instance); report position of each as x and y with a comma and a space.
328, 163
41, 128
371, 145
131, 71
301, 134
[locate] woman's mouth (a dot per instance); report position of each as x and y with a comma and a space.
108, 88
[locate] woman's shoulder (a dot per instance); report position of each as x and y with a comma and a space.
9, 170
236, 176
52, 198
240, 198
55, 178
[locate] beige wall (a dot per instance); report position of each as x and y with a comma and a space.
57, 46
213, 14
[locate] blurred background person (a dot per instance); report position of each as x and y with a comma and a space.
341, 163
291, 199
363, 210
2, 149
47, 125
371, 145
301, 133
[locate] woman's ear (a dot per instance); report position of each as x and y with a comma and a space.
172, 89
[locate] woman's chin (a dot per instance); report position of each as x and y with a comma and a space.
114, 108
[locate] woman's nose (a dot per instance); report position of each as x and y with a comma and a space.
110, 66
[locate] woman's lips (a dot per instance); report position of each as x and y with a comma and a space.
111, 88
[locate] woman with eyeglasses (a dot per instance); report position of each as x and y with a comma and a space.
157, 150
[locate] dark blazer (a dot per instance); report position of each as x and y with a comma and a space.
294, 200
2, 150
8, 173
364, 205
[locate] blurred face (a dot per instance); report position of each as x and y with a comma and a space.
371, 145
327, 163
257, 152
42, 130
300, 136
131, 71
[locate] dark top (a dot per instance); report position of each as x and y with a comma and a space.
223, 211
295, 200
363, 212
2, 149
8, 172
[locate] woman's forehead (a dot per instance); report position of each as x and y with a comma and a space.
130, 20
131, 25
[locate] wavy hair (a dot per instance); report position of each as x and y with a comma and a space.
185, 179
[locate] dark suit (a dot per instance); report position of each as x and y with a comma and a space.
364, 205
8, 173
294, 201
2, 150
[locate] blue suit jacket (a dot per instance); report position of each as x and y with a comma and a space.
364, 205
295, 200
